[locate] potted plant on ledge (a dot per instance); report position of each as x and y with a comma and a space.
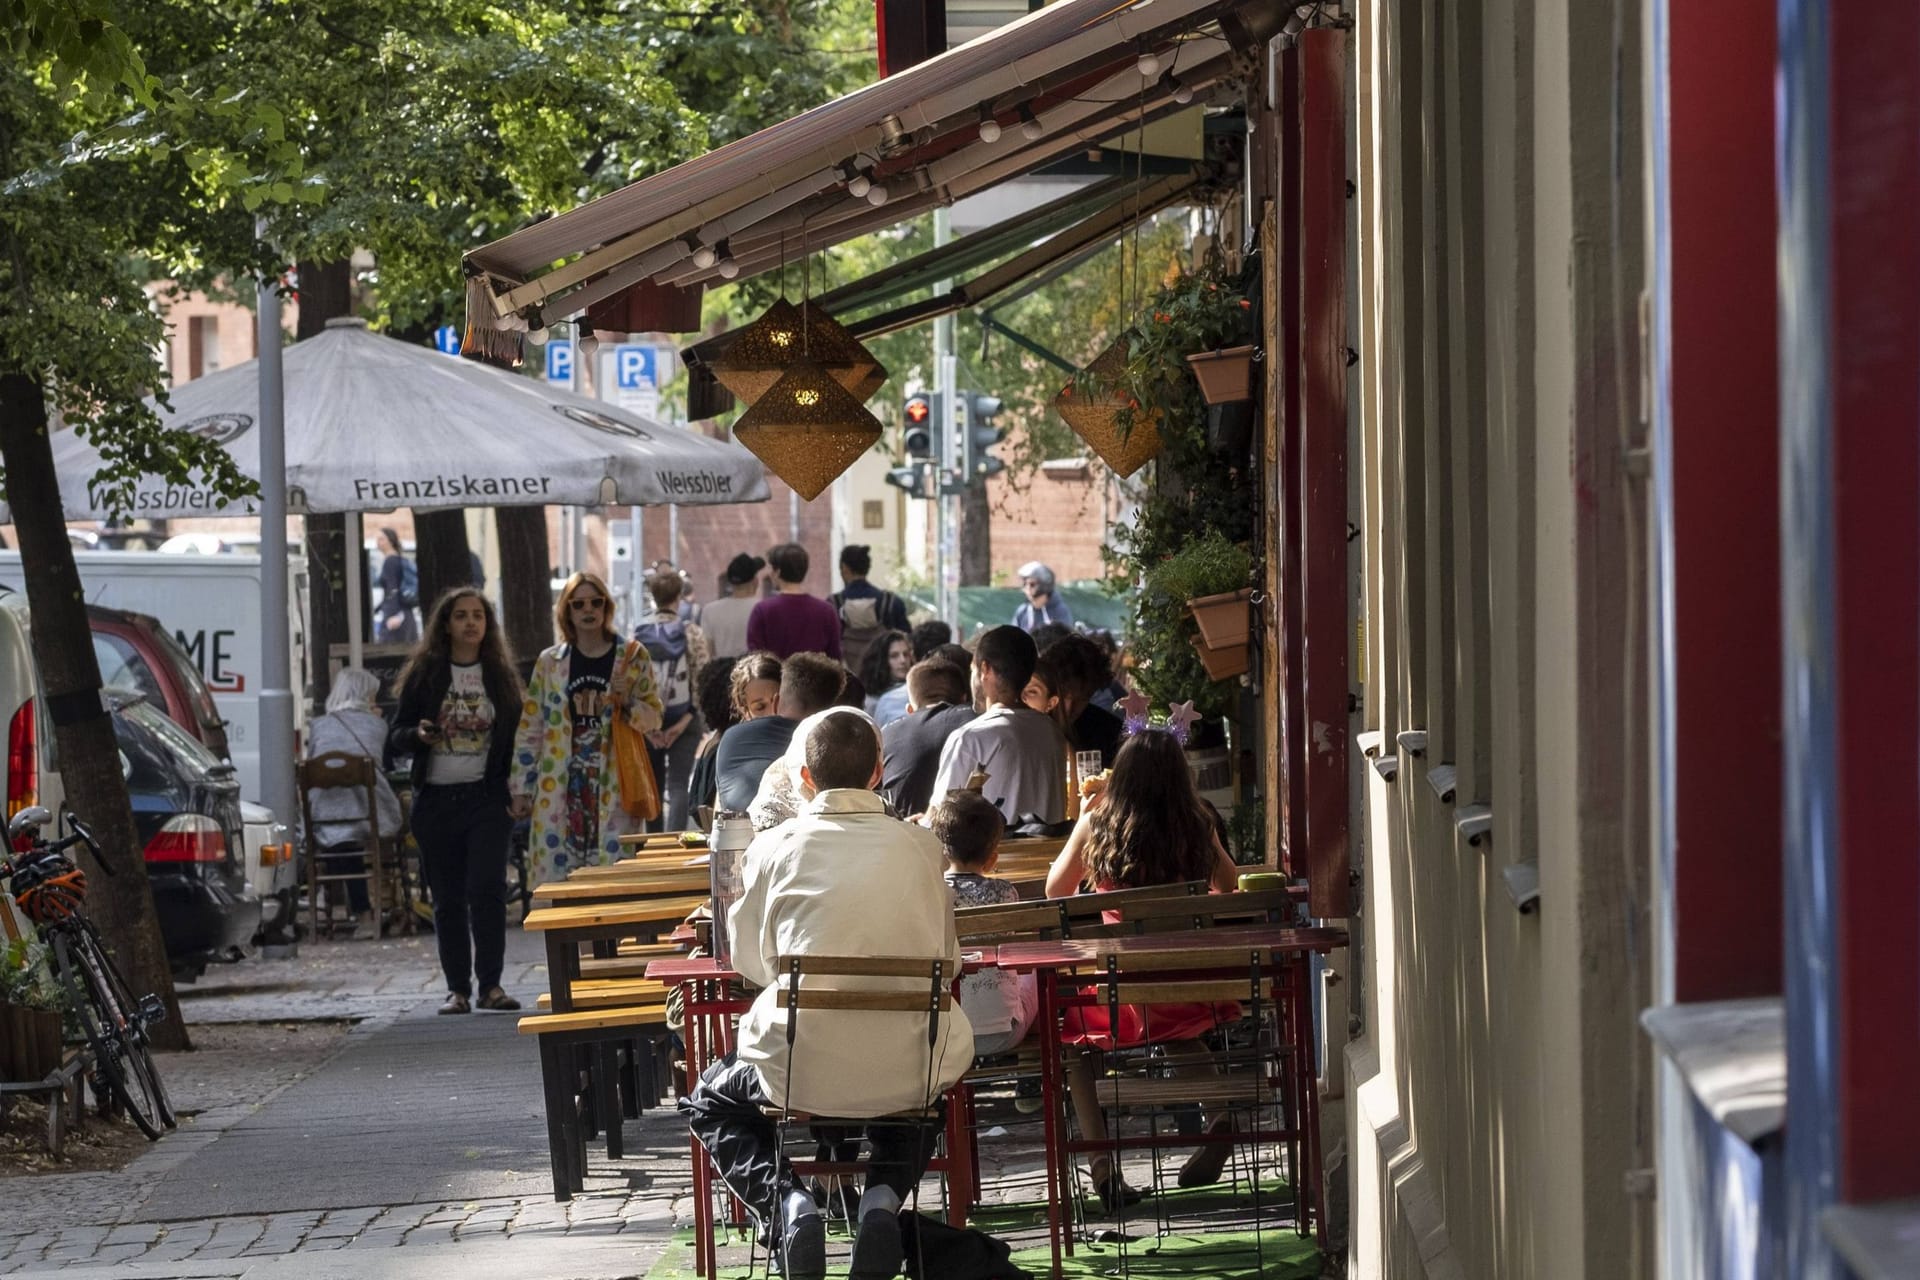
32, 1005
1210, 575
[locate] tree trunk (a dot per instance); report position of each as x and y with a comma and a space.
121, 903
326, 291
526, 580
440, 550
976, 537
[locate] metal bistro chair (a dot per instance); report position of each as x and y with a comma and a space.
931, 1001
380, 856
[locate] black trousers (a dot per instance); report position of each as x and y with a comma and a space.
724, 1112
463, 833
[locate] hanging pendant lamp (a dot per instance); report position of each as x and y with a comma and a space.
807, 427
765, 349
1094, 415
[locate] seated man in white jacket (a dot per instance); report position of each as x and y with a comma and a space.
844, 879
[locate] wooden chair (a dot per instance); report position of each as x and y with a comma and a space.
925, 1004
1259, 1077
339, 770
1158, 915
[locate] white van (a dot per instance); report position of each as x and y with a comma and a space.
211, 604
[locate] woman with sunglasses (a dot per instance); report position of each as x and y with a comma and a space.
564, 774
456, 717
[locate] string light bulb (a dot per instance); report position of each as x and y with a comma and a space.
589, 345
538, 335
1148, 65
989, 128
877, 196
1030, 126
859, 185
704, 257
1182, 93
724, 262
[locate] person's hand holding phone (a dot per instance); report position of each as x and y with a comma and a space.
429, 733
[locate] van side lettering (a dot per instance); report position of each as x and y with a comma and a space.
218, 673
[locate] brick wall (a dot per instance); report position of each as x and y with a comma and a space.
1053, 517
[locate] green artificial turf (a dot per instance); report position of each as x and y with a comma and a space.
1193, 1249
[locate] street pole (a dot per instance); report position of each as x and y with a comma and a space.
276, 661
946, 559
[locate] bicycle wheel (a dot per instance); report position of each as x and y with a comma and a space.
143, 1013
111, 1022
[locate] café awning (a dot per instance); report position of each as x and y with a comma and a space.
1062, 79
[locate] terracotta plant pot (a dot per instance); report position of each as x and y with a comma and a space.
1224, 619
29, 1043
1222, 664
1225, 376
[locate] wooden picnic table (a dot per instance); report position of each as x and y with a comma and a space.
641, 882
566, 927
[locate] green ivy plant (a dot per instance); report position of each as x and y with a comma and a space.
1194, 523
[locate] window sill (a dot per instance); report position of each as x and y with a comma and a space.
1878, 1241
1733, 1056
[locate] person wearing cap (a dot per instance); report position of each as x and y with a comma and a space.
725, 620
1043, 603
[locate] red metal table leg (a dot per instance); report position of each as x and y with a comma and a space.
1050, 1108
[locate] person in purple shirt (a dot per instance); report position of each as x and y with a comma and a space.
792, 621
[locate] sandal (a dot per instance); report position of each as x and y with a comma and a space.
1113, 1191
1204, 1167
499, 1001
456, 1003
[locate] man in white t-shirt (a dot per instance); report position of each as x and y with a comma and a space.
1020, 750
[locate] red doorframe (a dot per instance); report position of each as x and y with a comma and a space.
1724, 389
1872, 176
1289, 692
1323, 463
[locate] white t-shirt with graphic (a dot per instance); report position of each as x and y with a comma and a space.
466, 728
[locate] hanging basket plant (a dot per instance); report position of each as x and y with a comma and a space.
1206, 579
1107, 419
1225, 620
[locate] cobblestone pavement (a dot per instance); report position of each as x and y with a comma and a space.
401, 1143
411, 1131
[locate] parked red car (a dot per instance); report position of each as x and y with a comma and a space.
136, 651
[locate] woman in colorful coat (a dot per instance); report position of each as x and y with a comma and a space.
564, 774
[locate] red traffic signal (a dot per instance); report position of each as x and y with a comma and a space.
919, 409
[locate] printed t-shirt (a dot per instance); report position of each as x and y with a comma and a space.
466, 726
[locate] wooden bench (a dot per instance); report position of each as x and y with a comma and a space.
603, 993
567, 927
62, 1089
568, 1075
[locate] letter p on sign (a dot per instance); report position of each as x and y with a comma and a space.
633, 367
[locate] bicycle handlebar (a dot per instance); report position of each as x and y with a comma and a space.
41, 848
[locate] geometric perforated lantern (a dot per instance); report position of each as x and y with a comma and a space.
807, 428
1093, 415
754, 361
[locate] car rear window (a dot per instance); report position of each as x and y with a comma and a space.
152, 719
122, 665
189, 675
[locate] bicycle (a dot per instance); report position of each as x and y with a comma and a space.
49, 888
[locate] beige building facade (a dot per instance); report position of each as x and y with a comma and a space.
1497, 1088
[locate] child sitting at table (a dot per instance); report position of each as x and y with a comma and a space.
1001, 1006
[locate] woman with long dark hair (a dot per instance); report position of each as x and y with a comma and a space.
564, 773
713, 694
1146, 826
459, 703
884, 669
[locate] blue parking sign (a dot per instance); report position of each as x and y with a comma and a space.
560, 360
447, 338
634, 367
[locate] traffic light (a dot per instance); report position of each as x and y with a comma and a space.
979, 435
917, 435
912, 478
